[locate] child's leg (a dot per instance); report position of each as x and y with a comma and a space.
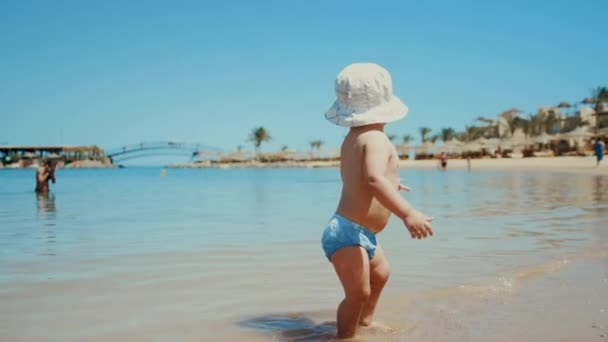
379, 271
352, 266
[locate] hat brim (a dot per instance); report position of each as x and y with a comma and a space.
390, 111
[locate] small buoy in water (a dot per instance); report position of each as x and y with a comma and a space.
163, 172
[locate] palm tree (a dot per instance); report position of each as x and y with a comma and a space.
572, 122
461, 135
404, 148
518, 122
469, 133
258, 136
434, 138
447, 134
512, 117
536, 126
316, 144
551, 123
473, 132
599, 96
492, 127
392, 137
423, 132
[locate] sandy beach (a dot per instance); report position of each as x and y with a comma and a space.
583, 165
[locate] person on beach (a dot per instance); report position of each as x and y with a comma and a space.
370, 192
45, 173
599, 150
443, 161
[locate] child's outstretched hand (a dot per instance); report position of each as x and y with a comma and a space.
419, 225
404, 188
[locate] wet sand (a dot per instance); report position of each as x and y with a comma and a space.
563, 300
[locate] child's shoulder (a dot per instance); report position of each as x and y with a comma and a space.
373, 137
369, 140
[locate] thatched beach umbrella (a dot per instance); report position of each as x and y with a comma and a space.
579, 135
452, 146
580, 132
455, 142
481, 141
544, 138
54, 156
332, 153
426, 148
472, 147
516, 140
493, 142
507, 144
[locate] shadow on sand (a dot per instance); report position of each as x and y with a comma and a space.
291, 327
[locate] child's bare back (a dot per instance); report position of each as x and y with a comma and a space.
357, 202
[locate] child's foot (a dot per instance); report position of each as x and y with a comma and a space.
376, 326
365, 321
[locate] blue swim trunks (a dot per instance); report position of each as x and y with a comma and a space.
342, 232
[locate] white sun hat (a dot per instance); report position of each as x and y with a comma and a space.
364, 96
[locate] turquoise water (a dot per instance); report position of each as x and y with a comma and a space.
236, 243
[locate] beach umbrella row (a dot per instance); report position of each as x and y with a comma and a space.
580, 132
456, 146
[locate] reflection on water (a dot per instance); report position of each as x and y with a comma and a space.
47, 213
600, 188
45, 202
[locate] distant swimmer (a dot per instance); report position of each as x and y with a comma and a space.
45, 173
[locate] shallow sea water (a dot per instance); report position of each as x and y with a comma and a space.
127, 254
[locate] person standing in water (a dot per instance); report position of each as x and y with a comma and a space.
443, 161
370, 192
45, 174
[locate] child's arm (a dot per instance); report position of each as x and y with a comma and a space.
376, 156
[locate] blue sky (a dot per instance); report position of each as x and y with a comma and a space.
119, 72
